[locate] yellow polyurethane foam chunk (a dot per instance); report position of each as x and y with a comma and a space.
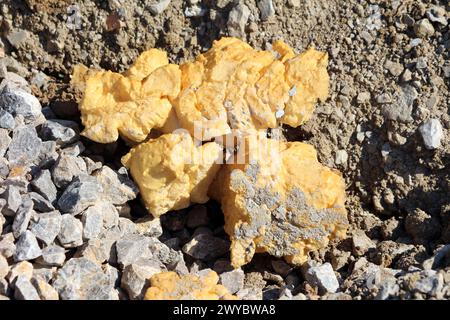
172, 172
170, 286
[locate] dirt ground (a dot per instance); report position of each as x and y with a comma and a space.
389, 74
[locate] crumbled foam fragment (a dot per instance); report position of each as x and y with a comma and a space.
132, 103
235, 88
170, 286
281, 201
172, 172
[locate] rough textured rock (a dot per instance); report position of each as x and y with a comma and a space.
66, 168
22, 217
171, 172
323, 278
52, 255
206, 247
24, 290
27, 247
135, 277
92, 220
233, 280
46, 226
82, 279
43, 184
44, 290
269, 207
132, 248
170, 286
432, 133
63, 132
18, 102
233, 87
117, 188
70, 234
130, 104
83, 192
25, 146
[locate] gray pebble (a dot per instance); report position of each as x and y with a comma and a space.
92, 220
432, 133
25, 146
135, 277
237, 20
233, 280
23, 217
5, 141
266, 8
27, 247
70, 235
18, 102
83, 192
24, 290
6, 120
322, 277
206, 247
52, 255
82, 279
63, 132
46, 226
117, 188
43, 184
159, 6
132, 248
40, 204
66, 168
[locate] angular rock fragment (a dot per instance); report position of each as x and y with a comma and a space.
282, 201
22, 217
43, 184
432, 133
4, 268
27, 247
66, 168
237, 20
5, 140
233, 280
24, 290
46, 226
44, 290
83, 192
132, 248
52, 255
7, 246
25, 146
170, 286
70, 234
135, 277
95, 250
40, 204
63, 132
82, 279
130, 104
206, 247
6, 120
18, 102
117, 188
171, 172
23, 268
92, 220
13, 200
322, 277
148, 226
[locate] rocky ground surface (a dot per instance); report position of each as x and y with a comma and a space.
71, 223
